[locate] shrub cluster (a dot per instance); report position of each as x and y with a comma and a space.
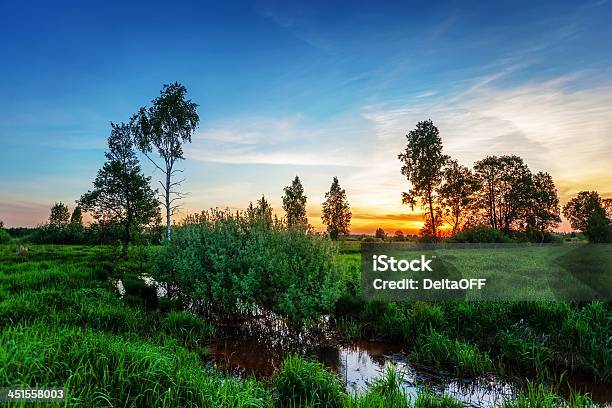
481, 234
225, 262
94, 234
4, 236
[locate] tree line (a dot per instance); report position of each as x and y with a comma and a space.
123, 201
499, 192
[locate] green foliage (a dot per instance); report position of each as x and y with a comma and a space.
542, 206
223, 260
599, 228
121, 193
456, 192
581, 208
5, 238
523, 350
506, 187
349, 329
163, 128
386, 391
105, 370
138, 292
336, 211
49, 234
437, 348
536, 396
190, 329
306, 383
61, 327
77, 216
60, 216
294, 204
422, 163
481, 234
426, 399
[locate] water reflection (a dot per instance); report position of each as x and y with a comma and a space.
358, 364
258, 346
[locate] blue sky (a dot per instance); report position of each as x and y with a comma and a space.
318, 89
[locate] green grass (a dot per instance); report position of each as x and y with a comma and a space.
63, 323
300, 382
546, 338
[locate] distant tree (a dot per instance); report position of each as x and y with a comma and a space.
607, 204
456, 191
60, 215
542, 211
423, 161
1, 224
261, 212
504, 191
164, 127
121, 194
294, 204
586, 213
599, 229
77, 216
399, 236
336, 211
579, 209
380, 233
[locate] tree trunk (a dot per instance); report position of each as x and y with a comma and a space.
431, 214
126, 239
493, 209
168, 205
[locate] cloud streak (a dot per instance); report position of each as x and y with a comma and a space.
556, 126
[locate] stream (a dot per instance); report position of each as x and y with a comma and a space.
259, 345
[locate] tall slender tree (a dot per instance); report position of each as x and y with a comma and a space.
76, 218
336, 211
121, 193
423, 162
164, 128
294, 204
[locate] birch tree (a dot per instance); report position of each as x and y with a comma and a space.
163, 128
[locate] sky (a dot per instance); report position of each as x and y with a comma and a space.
314, 89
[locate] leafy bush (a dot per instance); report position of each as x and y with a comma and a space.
300, 382
481, 234
224, 261
4, 236
51, 234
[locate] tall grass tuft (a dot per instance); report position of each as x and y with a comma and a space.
300, 382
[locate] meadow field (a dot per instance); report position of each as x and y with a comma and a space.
64, 323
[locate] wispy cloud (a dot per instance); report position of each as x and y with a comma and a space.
559, 126
281, 141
